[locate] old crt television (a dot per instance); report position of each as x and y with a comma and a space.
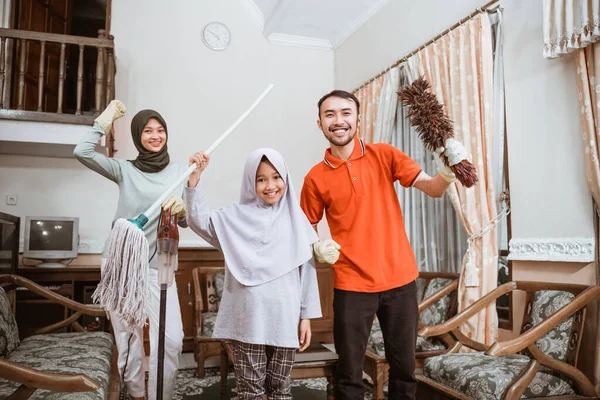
9, 243
51, 239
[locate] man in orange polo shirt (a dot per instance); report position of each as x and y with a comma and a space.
376, 269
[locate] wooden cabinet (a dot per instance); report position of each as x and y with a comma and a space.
78, 279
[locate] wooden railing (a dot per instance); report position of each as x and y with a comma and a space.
14, 44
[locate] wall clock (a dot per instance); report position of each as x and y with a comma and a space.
216, 36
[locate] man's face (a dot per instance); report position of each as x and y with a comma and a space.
338, 119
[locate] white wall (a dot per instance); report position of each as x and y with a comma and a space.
549, 195
395, 30
163, 64
547, 176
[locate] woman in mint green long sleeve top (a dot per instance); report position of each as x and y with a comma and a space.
141, 182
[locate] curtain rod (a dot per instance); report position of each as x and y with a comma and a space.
492, 5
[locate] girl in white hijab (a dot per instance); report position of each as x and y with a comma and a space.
270, 291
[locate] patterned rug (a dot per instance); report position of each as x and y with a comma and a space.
188, 387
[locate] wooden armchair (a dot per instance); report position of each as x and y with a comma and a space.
438, 304
53, 365
540, 363
208, 289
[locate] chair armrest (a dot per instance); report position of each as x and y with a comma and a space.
467, 313
46, 380
430, 300
528, 338
55, 297
581, 381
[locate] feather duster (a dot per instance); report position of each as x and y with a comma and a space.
427, 115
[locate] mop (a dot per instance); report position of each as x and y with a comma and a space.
124, 279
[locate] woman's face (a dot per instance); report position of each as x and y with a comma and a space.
154, 136
270, 186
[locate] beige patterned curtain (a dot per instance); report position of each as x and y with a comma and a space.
588, 86
369, 108
569, 25
460, 68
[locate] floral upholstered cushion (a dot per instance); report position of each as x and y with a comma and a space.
482, 377
219, 283
208, 324
214, 289
556, 342
9, 332
438, 312
89, 353
375, 343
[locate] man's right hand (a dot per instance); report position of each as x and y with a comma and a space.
327, 251
113, 112
201, 159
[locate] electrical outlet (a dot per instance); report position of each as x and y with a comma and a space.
11, 200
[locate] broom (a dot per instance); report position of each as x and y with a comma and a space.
427, 115
124, 278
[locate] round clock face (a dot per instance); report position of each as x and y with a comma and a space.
216, 36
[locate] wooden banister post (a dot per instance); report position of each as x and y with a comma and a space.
2, 62
22, 74
79, 79
110, 73
61, 77
40, 104
99, 75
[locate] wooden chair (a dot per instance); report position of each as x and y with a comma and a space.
439, 304
44, 364
540, 363
208, 289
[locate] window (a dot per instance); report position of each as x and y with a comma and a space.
504, 303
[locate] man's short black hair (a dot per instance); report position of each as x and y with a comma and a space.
342, 94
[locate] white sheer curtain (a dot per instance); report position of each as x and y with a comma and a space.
569, 25
388, 102
433, 228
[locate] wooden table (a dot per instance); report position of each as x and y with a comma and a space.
316, 362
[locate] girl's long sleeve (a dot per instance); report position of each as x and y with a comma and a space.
309, 289
198, 215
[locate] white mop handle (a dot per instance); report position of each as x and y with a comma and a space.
212, 148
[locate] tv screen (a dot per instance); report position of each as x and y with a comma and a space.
51, 238
48, 235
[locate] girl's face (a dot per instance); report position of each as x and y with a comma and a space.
154, 136
270, 186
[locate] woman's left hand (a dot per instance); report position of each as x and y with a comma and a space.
304, 334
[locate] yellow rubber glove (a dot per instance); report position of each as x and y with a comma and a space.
113, 112
327, 251
455, 152
443, 169
175, 204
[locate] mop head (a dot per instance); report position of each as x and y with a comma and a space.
427, 115
124, 279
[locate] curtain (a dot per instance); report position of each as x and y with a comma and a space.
437, 236
369, 107
388, 102
588, 86
460, 68
569, 25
